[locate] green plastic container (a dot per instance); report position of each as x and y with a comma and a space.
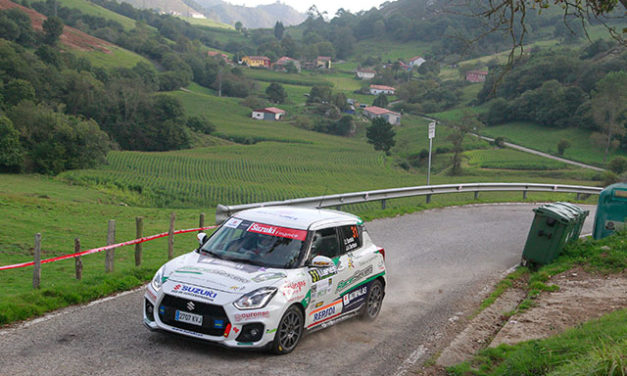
553, 226
611, 213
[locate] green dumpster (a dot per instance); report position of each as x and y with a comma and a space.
553, 226
611, 211
580, 215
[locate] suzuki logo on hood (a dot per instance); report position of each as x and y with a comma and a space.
190, 306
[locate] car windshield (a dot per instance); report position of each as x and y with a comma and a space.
257, 243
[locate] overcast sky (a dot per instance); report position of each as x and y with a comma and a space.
331, 6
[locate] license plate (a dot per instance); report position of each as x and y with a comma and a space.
189, 318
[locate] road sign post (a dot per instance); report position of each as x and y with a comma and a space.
431, 137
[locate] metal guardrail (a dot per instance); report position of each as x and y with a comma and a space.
337, 200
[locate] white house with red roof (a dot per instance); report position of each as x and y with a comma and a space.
382, 89
268, 113
365, 73
416, 61
391, 117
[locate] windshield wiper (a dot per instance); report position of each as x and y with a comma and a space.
213, 254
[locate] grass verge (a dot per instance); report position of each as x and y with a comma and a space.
597, 347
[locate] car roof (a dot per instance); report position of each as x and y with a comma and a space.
295, 217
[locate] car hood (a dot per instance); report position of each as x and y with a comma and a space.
203, 276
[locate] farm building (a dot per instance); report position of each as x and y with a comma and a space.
282, 63
416, 61
257, 61
365, 74
323, 62
392, 117
382, 89
217, 54
476, 76
268, 113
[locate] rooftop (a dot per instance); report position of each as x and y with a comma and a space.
294, 217
381, 87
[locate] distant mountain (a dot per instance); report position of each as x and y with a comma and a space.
261, 16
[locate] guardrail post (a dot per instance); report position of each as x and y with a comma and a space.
37, 259
476, 195
201, 221
339, 207
428, 199
171, 237
524, 195
110, 253
578, 196
139, 231
383, 204
78, 263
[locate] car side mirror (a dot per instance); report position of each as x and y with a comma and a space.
202, 238
321, 262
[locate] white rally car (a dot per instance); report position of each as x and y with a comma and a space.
267, 276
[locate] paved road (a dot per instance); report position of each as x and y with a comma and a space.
438, 262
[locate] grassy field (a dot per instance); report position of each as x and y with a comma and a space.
119, 57
207, 22
545, 139
92, 9
390, 50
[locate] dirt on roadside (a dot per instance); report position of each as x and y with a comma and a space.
581, 297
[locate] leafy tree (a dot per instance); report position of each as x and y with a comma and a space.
11, 152
381, 135
468, 123
238, 26
276, 93
562, 145
18, 90
618, 165
279, 30
380, 101
340, 101
53, 28
319, 94
200, 124
609, 107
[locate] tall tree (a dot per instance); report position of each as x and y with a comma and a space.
381, 135
279, 30
609, 107
468, 123
11, 152
53, 28
381, 100
276, 93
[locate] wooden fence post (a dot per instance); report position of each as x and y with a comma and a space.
78, 263
201, 222
110, 253
171, 237
37, 266
139, 225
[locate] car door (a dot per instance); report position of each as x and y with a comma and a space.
353, 287
325, 304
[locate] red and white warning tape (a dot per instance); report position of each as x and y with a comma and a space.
96, 250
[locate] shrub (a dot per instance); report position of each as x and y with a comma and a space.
618, 165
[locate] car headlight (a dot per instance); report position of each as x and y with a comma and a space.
158, 279
256, 299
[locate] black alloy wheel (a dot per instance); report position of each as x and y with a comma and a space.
372, 307
289, 332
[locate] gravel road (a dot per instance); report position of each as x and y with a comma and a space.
440, 264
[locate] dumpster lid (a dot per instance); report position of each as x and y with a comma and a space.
556, 211
578, 210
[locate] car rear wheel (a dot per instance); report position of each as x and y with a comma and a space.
289, 332
372, 307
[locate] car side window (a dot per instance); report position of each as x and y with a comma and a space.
351, 237
325, 243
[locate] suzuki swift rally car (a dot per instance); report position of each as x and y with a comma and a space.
267, 276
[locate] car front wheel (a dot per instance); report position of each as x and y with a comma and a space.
289, 332
372, 307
